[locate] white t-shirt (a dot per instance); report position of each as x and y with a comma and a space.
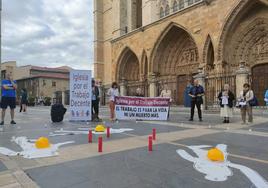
224, 100
166, 94
112, 93
249, 96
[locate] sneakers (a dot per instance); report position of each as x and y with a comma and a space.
13, 122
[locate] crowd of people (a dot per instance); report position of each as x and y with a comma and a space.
227, 100
245, 101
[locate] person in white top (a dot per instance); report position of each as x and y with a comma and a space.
139, 92
226, 98
167, 94
245, 96
112, 93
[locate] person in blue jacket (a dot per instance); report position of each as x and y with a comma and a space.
266, 97
187, 98
9, 87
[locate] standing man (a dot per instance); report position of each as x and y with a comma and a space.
95, 101
8, 97
196, 93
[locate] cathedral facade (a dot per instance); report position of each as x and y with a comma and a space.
149, 43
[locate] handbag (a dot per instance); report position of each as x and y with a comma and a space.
254, 101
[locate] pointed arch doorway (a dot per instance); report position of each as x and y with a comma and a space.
260, 81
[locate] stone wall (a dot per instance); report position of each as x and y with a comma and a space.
217, 32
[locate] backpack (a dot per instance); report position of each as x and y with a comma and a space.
57, 112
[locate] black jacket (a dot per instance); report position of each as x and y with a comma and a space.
230, 99
95, 90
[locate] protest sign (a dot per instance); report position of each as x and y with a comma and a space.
80, 95
141, 108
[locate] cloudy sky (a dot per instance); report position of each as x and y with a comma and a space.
48, 32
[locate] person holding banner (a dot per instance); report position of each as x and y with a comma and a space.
196, 93
139, 93
112, 93
166, 93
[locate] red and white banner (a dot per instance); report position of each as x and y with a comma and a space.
141, 108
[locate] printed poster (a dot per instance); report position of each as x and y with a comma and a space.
80, 95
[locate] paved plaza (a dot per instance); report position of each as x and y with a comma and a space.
125, 161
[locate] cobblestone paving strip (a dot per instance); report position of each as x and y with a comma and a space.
16, 177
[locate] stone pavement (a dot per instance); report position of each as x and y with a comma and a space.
125, 161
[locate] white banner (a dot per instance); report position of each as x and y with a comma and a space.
141, 108
80, 95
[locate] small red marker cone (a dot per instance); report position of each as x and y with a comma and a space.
150, 143
108, 132
154, 134
90, 136
100, 144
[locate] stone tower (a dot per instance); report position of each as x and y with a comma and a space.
115, 18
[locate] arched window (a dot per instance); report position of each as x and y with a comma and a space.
181, 4
210, 56
175, 6
162, 13
167, 10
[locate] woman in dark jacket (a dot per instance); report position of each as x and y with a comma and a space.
226, 98
23, 100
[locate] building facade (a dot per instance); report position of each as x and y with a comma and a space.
40, 82
12, 68
146, 43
